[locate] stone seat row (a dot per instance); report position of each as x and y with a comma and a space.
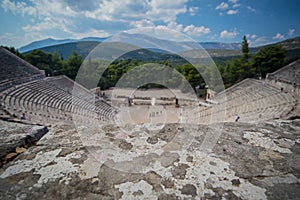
41, 98
290, 73
13, 67
66, 84
252, 101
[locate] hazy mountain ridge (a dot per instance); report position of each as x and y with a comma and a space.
215, 49
52, 42
83, 48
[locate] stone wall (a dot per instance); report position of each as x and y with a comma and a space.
13, 82
287, 77
12, 67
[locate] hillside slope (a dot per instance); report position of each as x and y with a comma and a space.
220, 51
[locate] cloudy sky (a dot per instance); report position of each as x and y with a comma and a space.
263, 21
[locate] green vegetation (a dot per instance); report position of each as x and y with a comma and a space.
53, 64
266, 60
232, 70
245, 48
83, 48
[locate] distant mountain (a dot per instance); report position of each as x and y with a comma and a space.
51, 42
215, 49
85, 45
65, 50
172, 46
289, 44
220, 45
144, 39
292, 46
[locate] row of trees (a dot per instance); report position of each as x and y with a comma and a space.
266, 60
248, 65
53, 64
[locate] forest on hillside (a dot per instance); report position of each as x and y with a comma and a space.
266, 60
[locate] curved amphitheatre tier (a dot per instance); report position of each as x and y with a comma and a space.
253, 100
288, 79
50, 99
289, 74
13, 67
46, 99
41, 99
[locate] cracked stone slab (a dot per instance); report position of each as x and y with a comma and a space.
16, 137
258, 161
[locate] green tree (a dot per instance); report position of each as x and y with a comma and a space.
268, 59
191, 74
14, 51
245, 48
44, 67
40, 59
239, 68
72, 65
56, 63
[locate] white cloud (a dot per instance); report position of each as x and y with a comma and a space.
102, 10
278, 36
91, 32
251, 9
254, 40
164, 32
291, 32
251, 36
9, 39
222, 6
258, 41
228, 34
47, 24
191, 30
236, 5
155, 10
79, 18
193, 10
49, 14
166, 10
232, 12
18, 7
175, 26
110, 10
261, 39
176, 30
142, 23
167, 4
196, 30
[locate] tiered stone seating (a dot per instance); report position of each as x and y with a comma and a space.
67, 85
49, 99
252, 100
289, 73
13, 67
15, 71
24, 89
287, 78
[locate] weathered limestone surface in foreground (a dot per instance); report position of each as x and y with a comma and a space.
16, 137
259, 161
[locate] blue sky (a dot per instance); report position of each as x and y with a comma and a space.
263, 21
